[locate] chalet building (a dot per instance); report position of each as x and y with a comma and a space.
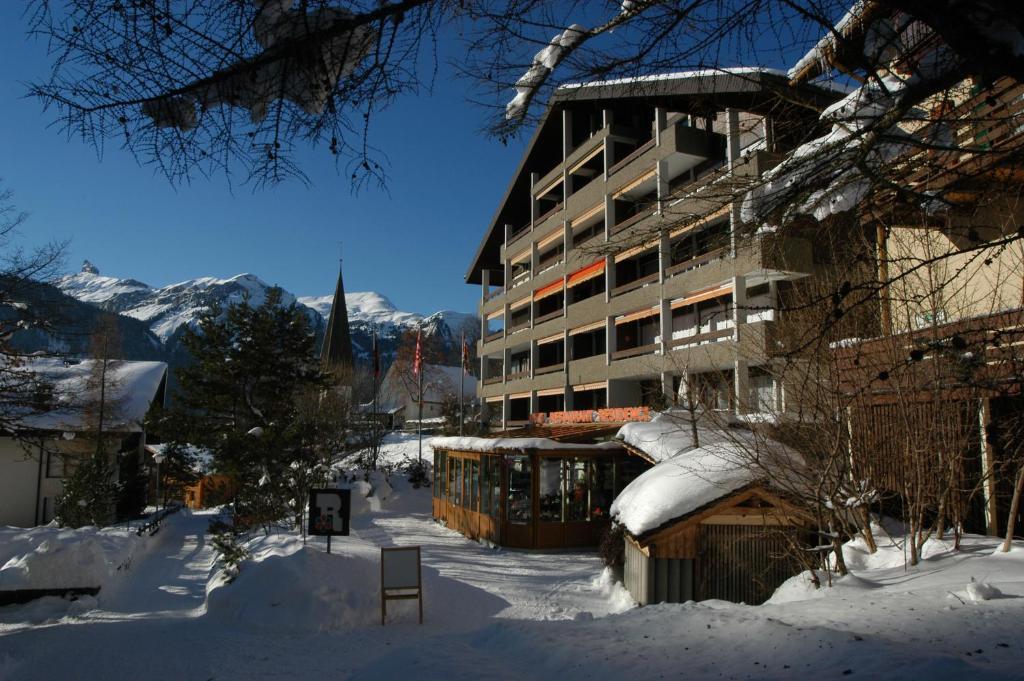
399, 399
613, 272
940, 383
35, 460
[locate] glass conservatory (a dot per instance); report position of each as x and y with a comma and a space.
531, 497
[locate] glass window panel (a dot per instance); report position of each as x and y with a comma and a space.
550, 490
577, 497
601, 488
457, 494
473, 479
452, 463
520, 503
495, 485
485, 489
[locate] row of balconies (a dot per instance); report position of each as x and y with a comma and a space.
672, 326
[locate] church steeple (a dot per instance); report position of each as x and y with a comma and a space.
337, 348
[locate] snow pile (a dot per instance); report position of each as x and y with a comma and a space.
982, 591
50, 557
544, 62
288, 588
678, 75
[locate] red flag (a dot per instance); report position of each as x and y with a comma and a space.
465, 355
417, 362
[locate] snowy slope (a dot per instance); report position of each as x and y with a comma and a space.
169, 309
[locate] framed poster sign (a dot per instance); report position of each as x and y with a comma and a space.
329, 512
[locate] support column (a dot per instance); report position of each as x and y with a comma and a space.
739, 305
987, 466
662, 181
665, 327
741, 385
732, 136
660, 117
610, 339
533, 199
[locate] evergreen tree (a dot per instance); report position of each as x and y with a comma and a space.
240, 399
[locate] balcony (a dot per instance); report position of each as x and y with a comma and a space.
518, 375
553, 368
635, 284
632, 156
548, 317
649, 349
700, 338
697, 261
630, 221
492, 380
497, 335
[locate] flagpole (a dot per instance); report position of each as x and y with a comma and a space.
376, 416
418, 366
462, 382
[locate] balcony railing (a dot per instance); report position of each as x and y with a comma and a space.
629, 222
519, 232
548, 214
548, 317
517, 375
707, 337
494, 294
633, 155
493, 336
492, 380
699, 261
540, 371
518, 327
635, 284
636, 352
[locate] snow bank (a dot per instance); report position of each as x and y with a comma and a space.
289, 588
54, 558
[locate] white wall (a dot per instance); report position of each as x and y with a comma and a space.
18, 484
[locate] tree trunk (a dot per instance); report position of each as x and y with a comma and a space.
1011, 519
865, 521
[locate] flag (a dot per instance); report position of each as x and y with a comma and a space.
376, 357
417, 361
465, 355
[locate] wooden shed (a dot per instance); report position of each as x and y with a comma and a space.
737, 548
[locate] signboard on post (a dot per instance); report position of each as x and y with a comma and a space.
400, 577
329, 512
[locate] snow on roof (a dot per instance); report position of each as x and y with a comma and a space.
131, 386
492, 444
685, 477
819, 53
679, 75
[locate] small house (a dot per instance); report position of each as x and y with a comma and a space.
703, 522
39, 451
399, 399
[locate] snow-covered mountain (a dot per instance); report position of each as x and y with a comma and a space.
169, 309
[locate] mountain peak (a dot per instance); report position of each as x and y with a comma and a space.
89, 268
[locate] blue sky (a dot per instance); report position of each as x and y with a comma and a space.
412, 244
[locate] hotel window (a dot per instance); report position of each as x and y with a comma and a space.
520, 498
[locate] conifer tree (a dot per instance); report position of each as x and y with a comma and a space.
239, 399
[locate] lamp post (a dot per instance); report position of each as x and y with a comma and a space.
159, 458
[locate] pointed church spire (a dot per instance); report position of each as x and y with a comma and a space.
337, 347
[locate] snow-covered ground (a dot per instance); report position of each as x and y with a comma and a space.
295, 612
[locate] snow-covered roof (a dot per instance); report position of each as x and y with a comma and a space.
685, 478
131, 389
678, 75
438, 382
492, 444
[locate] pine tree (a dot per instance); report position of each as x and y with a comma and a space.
240, 399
